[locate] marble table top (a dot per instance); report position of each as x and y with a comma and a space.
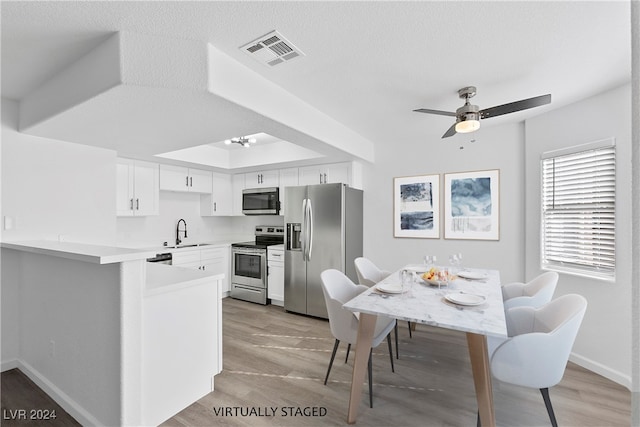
426, 304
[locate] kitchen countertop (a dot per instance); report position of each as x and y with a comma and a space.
276, 247
96, 254
163, 278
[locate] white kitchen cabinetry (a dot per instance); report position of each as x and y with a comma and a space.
261, 179
137, 188
275, 278
220, 201
214, 259
288, 178
177, 178
325, 174
237, 185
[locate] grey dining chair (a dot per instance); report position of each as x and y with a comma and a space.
535, 293
540, 340
369, 274
339, 289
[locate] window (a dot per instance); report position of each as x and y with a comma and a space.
578, 210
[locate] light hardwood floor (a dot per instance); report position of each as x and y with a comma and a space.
275, 359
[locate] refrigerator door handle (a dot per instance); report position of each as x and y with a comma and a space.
310, 222
303, 233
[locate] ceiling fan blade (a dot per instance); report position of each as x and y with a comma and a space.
442, 113
512, 107
450, 132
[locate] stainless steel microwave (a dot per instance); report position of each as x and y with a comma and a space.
261, 201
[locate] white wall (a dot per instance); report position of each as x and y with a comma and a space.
495, 148
53, 188
604, 342
50, 188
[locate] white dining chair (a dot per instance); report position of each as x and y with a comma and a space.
339, 289
535, 293
369, 274
540, 340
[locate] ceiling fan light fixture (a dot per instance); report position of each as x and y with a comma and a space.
470, 122
242, 140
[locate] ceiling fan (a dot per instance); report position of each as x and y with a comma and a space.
468, 116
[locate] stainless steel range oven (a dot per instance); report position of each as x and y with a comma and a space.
249, 264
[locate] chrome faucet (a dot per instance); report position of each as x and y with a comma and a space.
178, 241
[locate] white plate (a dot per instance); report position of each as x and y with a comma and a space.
417, 268
389, 288
473, 275
465, 299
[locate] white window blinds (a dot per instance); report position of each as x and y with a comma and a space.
578, 210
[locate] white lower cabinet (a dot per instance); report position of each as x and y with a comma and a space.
216, 260
212, 258
275, 278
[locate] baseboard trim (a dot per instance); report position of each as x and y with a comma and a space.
61, 398
8, 365
600, 369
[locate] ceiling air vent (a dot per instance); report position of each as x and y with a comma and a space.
272, 49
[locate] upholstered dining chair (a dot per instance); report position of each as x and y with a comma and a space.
535, 293
339, 289
369, 274
540, 340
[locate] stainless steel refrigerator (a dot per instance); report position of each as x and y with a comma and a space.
323, 231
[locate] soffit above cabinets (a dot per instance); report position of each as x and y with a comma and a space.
127, 95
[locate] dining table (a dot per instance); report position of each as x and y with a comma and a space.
470, 302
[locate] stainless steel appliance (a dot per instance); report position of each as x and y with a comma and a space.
323, 230
162, 258
261, 201
249, 264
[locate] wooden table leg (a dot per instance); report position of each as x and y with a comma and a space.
478, 353
366, 326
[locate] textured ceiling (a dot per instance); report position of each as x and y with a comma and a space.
366, 64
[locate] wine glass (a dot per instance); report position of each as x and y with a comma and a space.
430, 260
443, 277
460, 261
454, 261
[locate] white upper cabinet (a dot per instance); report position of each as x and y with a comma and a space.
325, 174
220, 201
237, 187
288, 178
177, 178
262, 179
137, 188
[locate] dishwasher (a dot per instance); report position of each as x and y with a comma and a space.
161, 258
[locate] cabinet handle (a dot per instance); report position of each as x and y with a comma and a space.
131, 204
137, 204
320, 178
187, 181
191, 181
215, 207
325, 178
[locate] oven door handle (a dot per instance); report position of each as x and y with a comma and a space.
247, 288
